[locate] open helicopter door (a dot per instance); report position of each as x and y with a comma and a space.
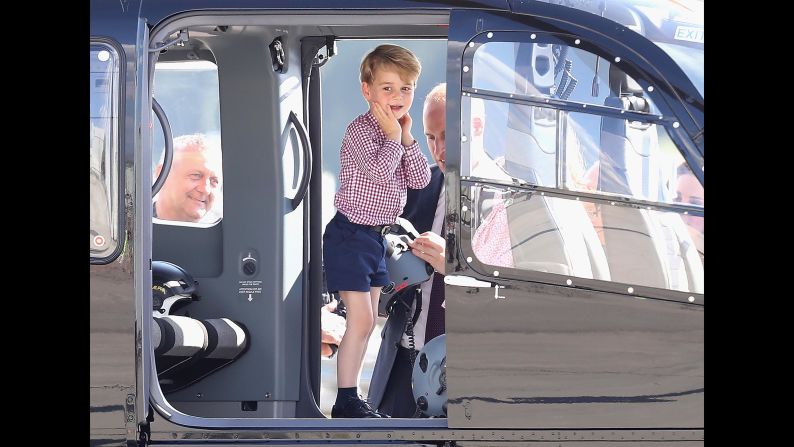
545, 337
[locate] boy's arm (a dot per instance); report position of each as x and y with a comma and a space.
377, 162
414, 163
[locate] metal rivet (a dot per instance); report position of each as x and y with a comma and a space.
617, 59
511, 95
584, 105
577, 41
631, 289
577, 198
468, 259
622, 112
533, 36
103, 55
465, 208
686, 212
471, 44
691, 299
198, 395
490, 35
650, 88
475, 91
568, 281
675, 125
496, 273
611, 203
466, 69
464, 138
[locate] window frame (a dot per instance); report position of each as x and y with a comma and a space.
209, 137
665, 118
118, 137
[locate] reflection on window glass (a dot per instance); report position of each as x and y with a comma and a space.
627, 158
188, 92
576, 151
529, 231
689, 191
104, 183
571, 151
554, 70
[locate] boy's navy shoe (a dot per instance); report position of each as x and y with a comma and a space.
354, 408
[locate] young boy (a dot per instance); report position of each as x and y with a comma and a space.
380, 159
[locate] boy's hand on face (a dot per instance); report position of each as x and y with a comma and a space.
405, 124
387, 121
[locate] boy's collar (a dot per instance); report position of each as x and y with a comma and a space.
373, 121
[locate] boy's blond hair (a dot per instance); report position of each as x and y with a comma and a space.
392, 57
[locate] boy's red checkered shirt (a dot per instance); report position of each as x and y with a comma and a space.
376, 173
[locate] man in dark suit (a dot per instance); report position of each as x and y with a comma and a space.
390, 389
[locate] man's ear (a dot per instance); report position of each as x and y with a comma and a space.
365, 90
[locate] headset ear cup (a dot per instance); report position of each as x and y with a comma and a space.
429, 378
386, 300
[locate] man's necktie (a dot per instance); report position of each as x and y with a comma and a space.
435, 313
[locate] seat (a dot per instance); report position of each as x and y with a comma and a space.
644, 247
175, 340
547, 234
187, 349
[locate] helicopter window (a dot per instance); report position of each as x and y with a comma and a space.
104, 183
512, 141
545, 70
188, 92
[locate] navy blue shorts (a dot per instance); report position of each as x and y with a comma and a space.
354, 256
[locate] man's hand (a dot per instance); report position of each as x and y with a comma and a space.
387, 121
333, 328
431, 248
405, 123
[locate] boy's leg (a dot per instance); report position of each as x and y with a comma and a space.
354, 342
350, 356
374, 295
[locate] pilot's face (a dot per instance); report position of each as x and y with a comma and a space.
189, 191
690, 192
435, 122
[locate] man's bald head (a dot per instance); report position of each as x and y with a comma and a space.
434, 116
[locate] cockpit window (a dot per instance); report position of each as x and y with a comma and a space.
192, 193
616, 201
104, 152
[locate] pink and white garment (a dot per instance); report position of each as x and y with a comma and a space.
491, 240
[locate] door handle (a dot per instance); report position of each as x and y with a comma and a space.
468, 281
465, 281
